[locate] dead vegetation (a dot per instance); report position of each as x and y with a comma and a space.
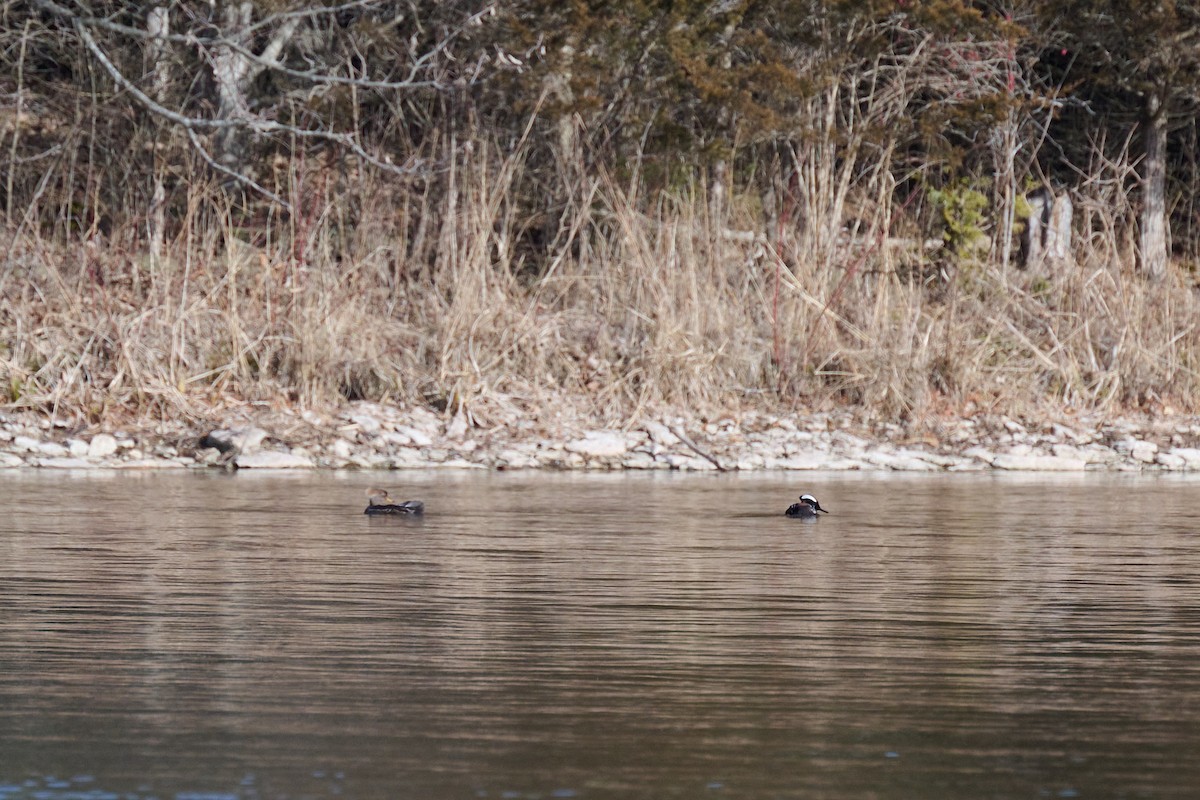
164, 268
640, 309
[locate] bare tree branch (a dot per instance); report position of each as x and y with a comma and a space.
271, 61
139, 95
255, 124
271, 19
237, 176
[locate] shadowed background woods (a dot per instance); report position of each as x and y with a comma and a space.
499, 207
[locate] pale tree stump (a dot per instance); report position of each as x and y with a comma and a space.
1047, 234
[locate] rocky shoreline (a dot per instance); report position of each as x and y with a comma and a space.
367, 436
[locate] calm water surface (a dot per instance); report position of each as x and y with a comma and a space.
548, 636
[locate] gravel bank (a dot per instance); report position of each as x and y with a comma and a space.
369, 436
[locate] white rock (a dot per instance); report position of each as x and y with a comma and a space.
1069, 451
1035, 463
803, 461
102, 445
340, 448
52, 449
1171, 460
457, 427
1099, 454
639, 459
26, 444
378, 460
599, 444
689, 463
1145, 452
393, 438
416, 436
1190, 456
1138, 449
366, 423
77, 447
750, 462
248, 440
9, 460
968, 466
271, 459
903, 462
1063, 432
661, 434
940, 459
148, 463
960, 436
850, 443
207, 455
66, 463
458, 463
981, 453
407, 457
514, 459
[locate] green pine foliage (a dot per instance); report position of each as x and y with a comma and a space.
963, 209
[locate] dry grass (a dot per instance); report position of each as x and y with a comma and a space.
423, 296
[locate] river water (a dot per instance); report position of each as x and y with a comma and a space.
236, 637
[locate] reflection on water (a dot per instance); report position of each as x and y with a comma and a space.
229, 637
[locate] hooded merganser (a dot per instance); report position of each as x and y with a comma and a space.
378, 502
807, 508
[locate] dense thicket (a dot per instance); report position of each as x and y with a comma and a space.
640, 201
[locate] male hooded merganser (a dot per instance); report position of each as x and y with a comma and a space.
807, 508
378, 502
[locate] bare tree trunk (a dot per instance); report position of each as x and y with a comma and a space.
1006, 142
1033, 240
16, 128
1058, 234
558, 85
718, 189
158, 24
1154, 190
230, 68
234, 70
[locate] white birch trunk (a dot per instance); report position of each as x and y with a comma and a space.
1153, 242
158, 24
234, 70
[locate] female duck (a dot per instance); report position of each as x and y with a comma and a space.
378, 503
807, 508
